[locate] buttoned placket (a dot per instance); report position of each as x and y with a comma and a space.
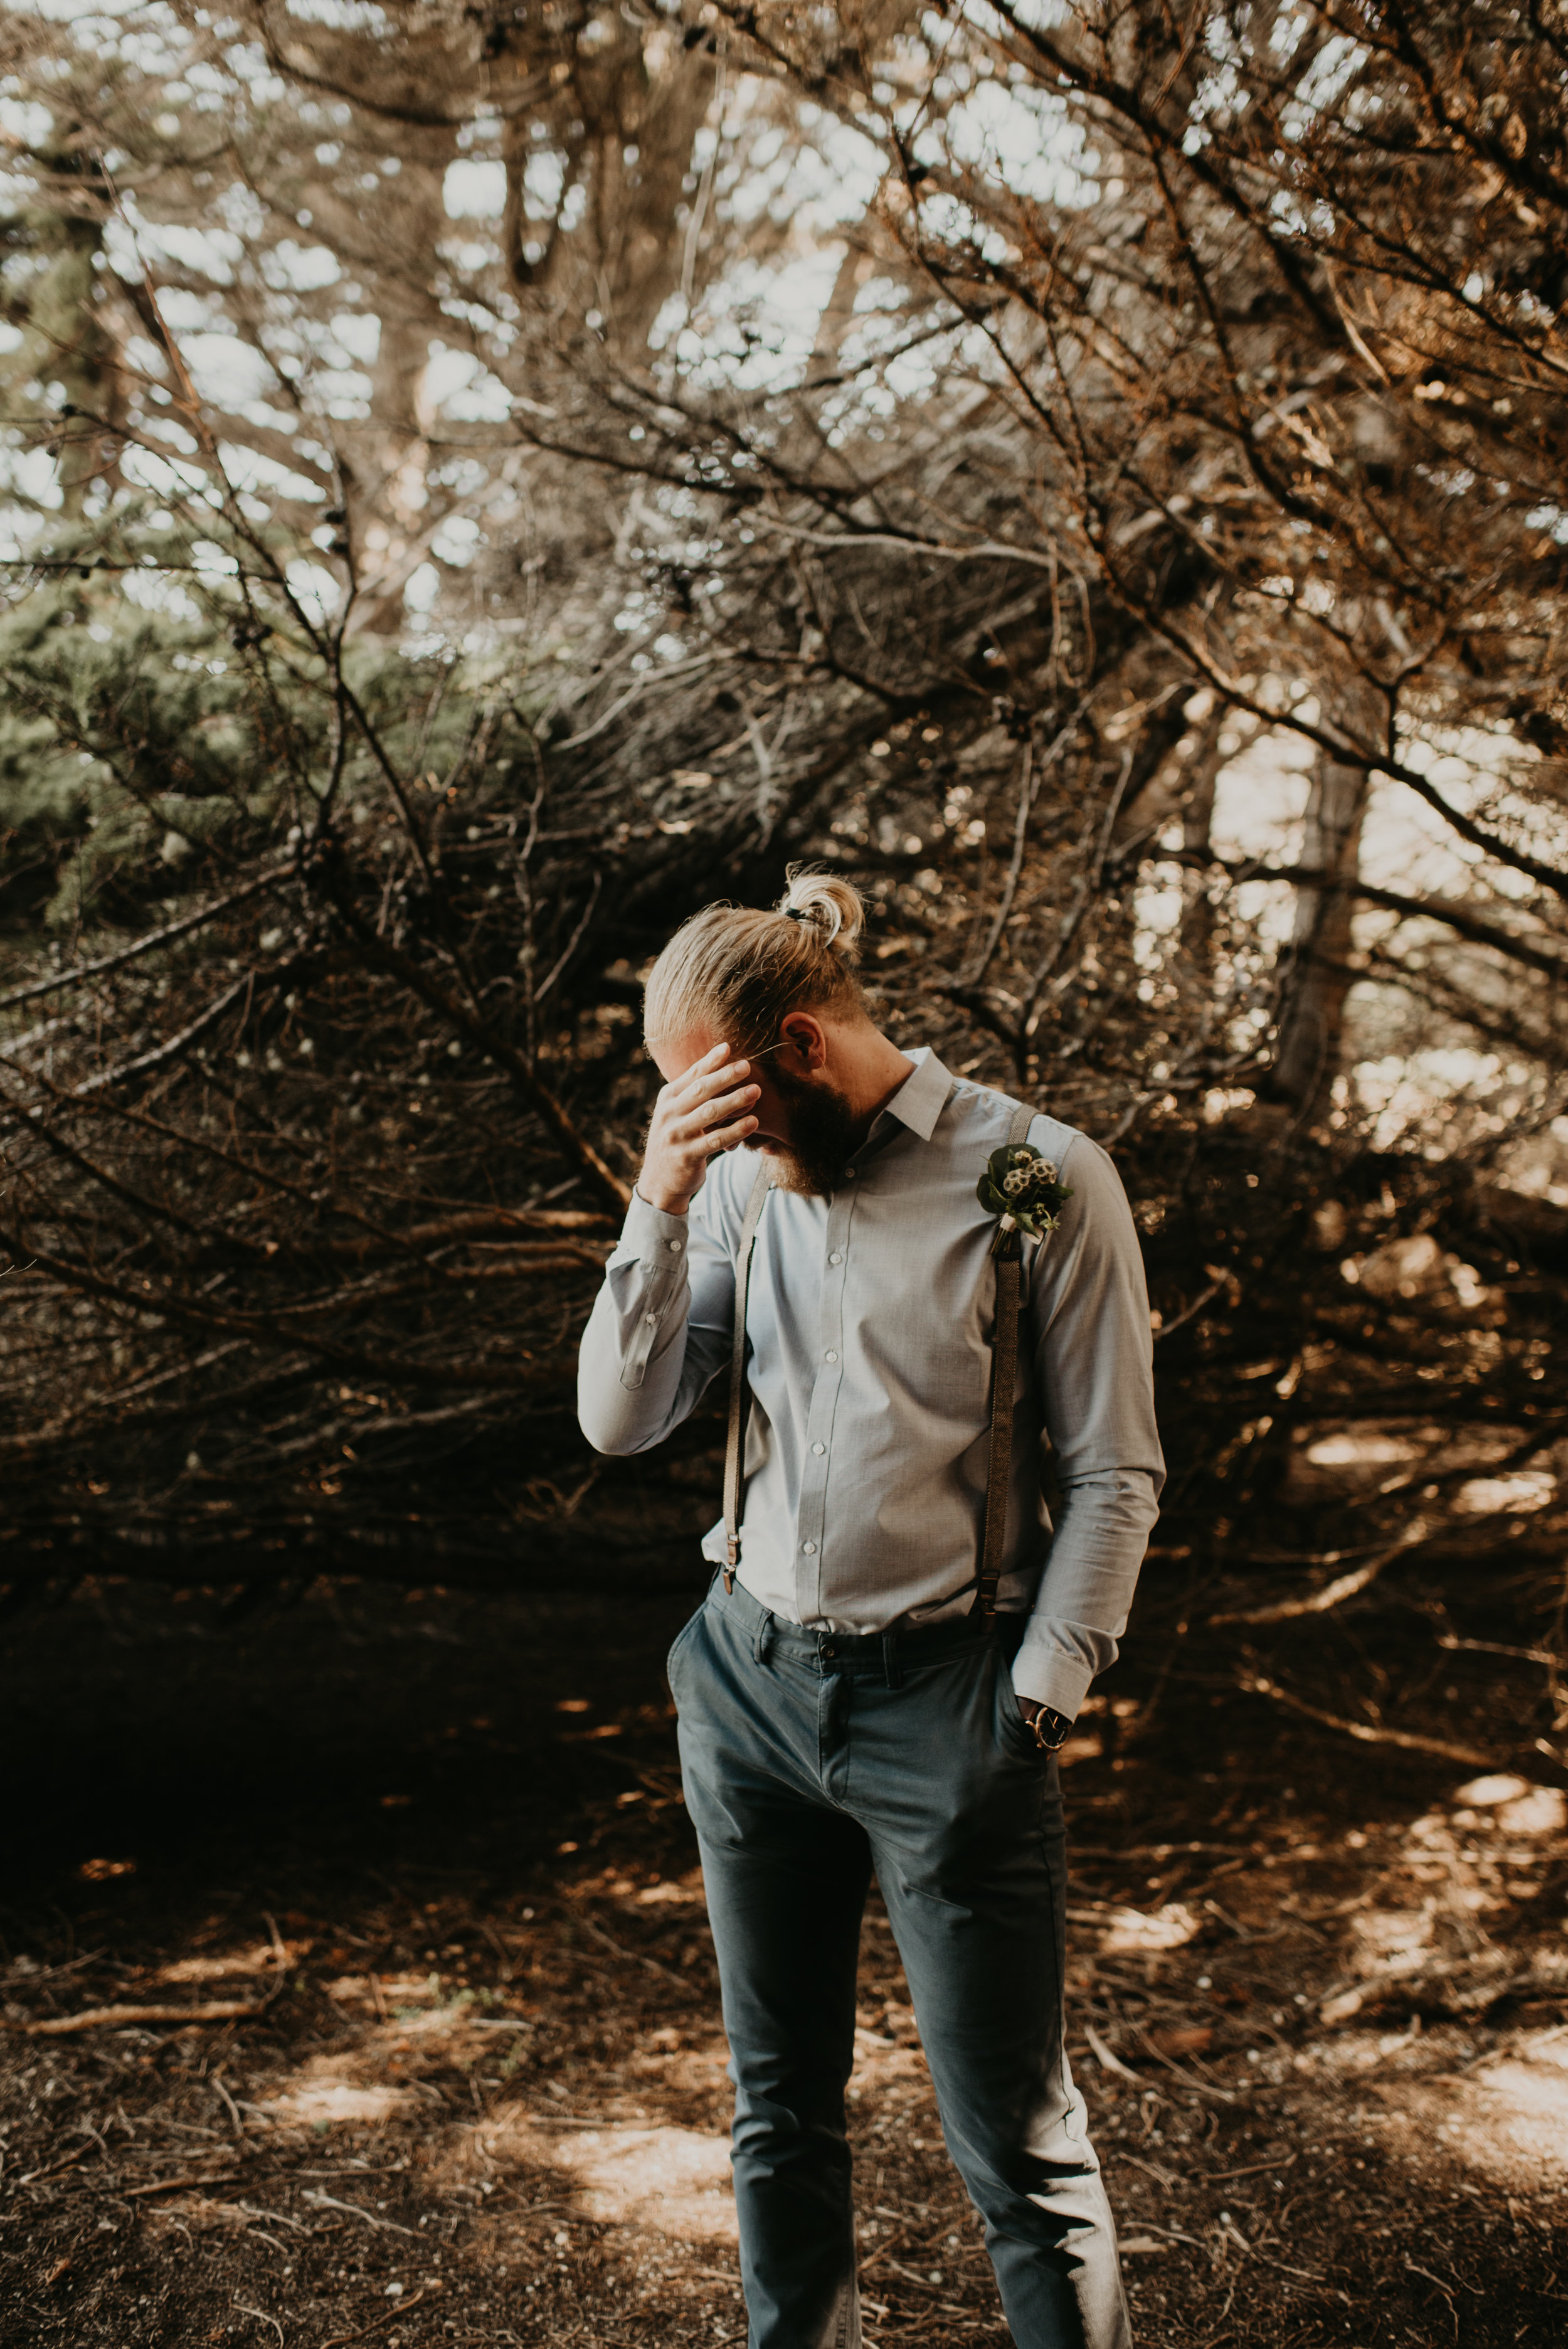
811, 1522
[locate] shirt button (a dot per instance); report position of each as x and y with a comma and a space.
837, 1257
819, 1449
674, 1247
829, 1357
652, 1319
810, 1548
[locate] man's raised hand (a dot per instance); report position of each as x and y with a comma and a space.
699, 1112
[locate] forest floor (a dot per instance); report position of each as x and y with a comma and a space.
432, 1847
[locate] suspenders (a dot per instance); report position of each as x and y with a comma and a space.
1003, 1378
739, 1391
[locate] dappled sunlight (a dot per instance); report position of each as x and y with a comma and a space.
248, 1962
1394, 1939
1507, 2119
1128, 1931
1363, 1457
1538, 1810
668, 2181
659, 2177
324, 2098
686, 1894
511, 2103
1338, 1451
1526, 1490
1464, 1870
367, 2079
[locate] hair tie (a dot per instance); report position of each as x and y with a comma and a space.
794, 913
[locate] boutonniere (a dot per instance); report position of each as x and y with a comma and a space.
1019, 1188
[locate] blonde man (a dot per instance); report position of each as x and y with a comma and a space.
843, 1703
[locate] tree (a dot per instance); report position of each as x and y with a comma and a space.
1263, 405
285, 182
1096, 482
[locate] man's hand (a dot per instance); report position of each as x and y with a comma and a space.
699, 1112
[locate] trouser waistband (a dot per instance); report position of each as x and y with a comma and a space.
888, 1653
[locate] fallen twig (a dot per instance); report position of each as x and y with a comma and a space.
330, 2202
1253, 2170
1319, 1602
176, 2185
615, 1947
1365, 1733
341, 2340
246, 2310
1473, 1987
112, 2018
1231, 2232
1188, 2080
1179, 2072
273, 2218
1108, 2062
36, 2177
884, 2250
1166, 2177
1153, 2227
216, 2084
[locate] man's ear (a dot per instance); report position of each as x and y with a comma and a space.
808, 1040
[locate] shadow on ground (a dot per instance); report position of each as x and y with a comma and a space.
428, 1851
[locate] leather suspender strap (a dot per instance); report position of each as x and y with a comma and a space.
738, 1391
1004, 1380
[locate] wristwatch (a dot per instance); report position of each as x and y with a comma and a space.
1050, 1728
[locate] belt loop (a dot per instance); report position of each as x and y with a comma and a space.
892, 1673
762, 1645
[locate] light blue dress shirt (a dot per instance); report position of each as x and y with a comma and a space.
871, 1318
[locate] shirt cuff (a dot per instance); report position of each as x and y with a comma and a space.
652, 1236
1045, 1676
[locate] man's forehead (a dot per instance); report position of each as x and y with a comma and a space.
672, 1060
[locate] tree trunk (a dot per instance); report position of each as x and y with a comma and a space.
1197, 839
65, 342
1317, 977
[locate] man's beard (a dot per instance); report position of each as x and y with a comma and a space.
822, 1137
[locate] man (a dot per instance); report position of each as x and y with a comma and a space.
843, 1703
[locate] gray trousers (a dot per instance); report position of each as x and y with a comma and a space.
810, 1759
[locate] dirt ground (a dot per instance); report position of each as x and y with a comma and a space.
432, 1847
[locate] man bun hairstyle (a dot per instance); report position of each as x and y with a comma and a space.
735, 972
830, 905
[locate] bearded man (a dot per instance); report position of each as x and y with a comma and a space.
858, 1689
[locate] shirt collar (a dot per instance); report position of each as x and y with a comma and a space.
923, 1096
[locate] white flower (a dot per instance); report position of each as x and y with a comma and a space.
1016, 1182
